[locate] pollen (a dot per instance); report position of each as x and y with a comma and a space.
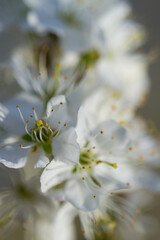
46, 124
83, 167
83, 178
94, 196
17, 106
84, 231
33, 108
61, 103
90, 167
52, 110
21, 145
101, 132
130, 149
65, 125
39, 123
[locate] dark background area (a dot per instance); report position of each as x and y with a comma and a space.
147, 12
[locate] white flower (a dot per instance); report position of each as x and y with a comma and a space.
75, 22
21, 204
41, 78
100, 154
49, 136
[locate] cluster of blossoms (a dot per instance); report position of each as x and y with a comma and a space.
73, 153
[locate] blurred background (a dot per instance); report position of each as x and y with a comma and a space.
147, 12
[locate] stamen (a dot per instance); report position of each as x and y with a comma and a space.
35, 134
26, 147
21, 115
114, 165
35, 114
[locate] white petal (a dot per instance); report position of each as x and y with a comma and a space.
42, 160
58, 105
82, 128
13, 156
55, 173
65, 147
80, 196
114, 138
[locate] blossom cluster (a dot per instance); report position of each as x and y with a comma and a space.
73, 152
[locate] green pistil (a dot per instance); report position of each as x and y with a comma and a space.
47, 147
86, 158
90, 58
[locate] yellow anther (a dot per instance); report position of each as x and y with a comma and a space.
39, 123
59, 122
121, 122
61, 103
88, 150
27, 122
33, 108
52, 110
115, 165
83, 178
100, 186
94, 147
128, 184
111, 193
130, 149
21, 145
90, 167
83, 167
65, 125
101, 132
17, 106
84, 231
93, 160
48, 127
94, 196
31, 116
112, 137
46, 124
97, 223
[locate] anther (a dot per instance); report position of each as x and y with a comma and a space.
101, 132
130, 149
17, 106
52, 110
21, 145
112, 137
94, 196
83, 178
27, 122
128, 184
61, 103
94, 147
59, 122
31, 116
83, 167
65, 125
84, 231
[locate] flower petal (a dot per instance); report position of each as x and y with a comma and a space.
13, 156
54, 174
80, 196
65, 147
